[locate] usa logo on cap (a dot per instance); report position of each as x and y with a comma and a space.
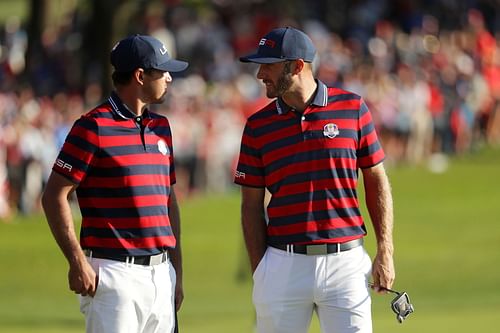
331, 130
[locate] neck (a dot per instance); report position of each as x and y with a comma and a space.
131, 101
301, 94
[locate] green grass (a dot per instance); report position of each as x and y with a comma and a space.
447, 239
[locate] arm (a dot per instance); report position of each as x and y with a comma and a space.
82, 278
379, 204
176, 253
253, 223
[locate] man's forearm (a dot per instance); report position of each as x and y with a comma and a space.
380, 207
254, 233
175, 223
59, 217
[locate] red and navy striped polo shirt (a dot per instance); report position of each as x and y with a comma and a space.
309, 162
123, 166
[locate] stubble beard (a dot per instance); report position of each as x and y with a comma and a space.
283, 83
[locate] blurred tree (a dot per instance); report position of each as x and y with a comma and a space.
35, 27
98, 41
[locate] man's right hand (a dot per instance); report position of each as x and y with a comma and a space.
82, 278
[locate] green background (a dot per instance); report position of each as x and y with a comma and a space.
447, 238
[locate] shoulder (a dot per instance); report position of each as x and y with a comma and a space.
102, 111
338, 94
266, 112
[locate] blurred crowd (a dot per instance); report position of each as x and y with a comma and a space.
432, 91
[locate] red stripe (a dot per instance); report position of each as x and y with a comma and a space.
310, 166
133, 159
309, 146
250, 180
372, 159
135, 180
127, 202
308, 186
250, 160
313, 226
126, 222
129, 243
311, 206
130, 140
85, 134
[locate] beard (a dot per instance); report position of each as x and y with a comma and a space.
283, 83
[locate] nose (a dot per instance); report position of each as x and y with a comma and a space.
260, 73
168, 77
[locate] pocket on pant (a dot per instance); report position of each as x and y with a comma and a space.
259, 266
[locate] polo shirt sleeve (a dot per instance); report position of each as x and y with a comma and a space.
78, 150
170, 145
250, 170
369, 151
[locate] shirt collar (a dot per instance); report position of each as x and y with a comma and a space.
320, 99
121, 110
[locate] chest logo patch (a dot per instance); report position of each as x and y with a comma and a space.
162, 147
331, 130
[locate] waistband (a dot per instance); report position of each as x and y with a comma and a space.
319, 249
152, 260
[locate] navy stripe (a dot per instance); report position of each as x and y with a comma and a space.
131, 170
81, 143
122, 192
312, 176
343, 97
125, 212
325, 194
87, 123
74, 162
119, 130
254, 171
310, 156
263, 114
315, 216
318, 235
247, 150
345, 133
276, 126
368, 150
126, 233
284, 142
130, 252
127, 150
333, 114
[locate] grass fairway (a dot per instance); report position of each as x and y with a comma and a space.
447, 241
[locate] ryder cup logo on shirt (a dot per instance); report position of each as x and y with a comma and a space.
330, 130
162, 147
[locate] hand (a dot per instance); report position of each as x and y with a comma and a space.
179, 295
82, 278
383, 272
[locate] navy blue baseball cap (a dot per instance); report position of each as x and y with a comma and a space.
283, 44
139, 51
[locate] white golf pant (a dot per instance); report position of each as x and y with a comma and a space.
130, 298
288, 287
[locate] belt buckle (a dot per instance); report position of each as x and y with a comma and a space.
156, 259
316, 249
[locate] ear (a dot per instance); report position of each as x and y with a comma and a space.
139, 75
299, 66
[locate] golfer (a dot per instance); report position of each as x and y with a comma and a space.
306, 147
118, 157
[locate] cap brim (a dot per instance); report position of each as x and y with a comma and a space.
258, 59
173, 66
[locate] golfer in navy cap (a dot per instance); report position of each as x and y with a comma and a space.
306, 147
118, 157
